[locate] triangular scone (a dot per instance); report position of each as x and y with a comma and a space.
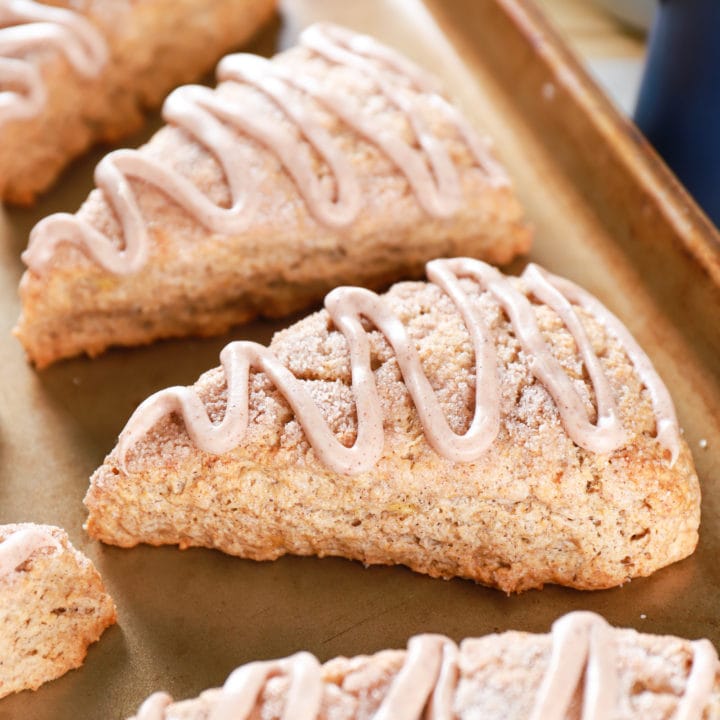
339, 161
532, 489
76, 73
583, 665
52, 606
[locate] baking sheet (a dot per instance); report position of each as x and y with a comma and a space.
606, 214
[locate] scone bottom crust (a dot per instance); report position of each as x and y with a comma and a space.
587, 483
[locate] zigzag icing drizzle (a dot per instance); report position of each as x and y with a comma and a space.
583, 651
18, 547
213, 120
347, 306
25, 26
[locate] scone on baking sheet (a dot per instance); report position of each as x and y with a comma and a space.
583, 666
507, 430
53, 605
339, 161
75, 72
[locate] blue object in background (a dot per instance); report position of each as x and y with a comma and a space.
679, 103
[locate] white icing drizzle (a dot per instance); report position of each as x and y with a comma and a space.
584, 651
348, 306
427, 679
21, 545
581, 645
700, 682
214, 121
154, 707
25, 26
367, 47
668, 432
243, 688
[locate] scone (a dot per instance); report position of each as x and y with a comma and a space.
584, 666
52, 606
339, 161
75, 72
507, 430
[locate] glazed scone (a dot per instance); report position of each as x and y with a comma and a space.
337, 162
53, 605
584, 665
76, 72
506, 430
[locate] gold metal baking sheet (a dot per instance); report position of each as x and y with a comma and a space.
606, 212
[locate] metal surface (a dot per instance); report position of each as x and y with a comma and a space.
607, 214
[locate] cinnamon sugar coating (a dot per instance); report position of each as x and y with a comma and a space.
534, 509
196, 282
499, 677
52, 607
154, 46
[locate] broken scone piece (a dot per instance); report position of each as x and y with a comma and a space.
53, 605
339, 161
507, 430
76, 72
584, 665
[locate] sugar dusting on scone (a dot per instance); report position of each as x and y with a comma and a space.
74, 73
53, 605
339, 161
584, 668
28, 28
507, 430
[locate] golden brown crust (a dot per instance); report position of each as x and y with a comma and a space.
534, 509
51, 609
200, 283
155, 45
